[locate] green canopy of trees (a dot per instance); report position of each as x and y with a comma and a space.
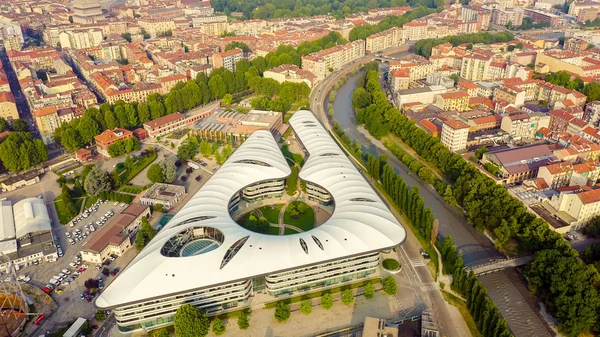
287, 8
120, 148
144, 235
529, 24
19, 151
282, 311
190, 322
236, 44
347, 296
362, 31
326, 301
423, 47
244, 320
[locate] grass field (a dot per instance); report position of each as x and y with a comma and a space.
288, 231
462, 307
305, 221
77, 194
292, 181
139, 164
271, 213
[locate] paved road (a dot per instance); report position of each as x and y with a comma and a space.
105, 328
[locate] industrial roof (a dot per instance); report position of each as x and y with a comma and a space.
31, 215
7, 226
360, 222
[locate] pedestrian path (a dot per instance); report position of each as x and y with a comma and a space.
417, 262
429, 287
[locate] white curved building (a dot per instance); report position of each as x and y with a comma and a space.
203, 257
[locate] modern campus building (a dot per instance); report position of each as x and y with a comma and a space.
203, 257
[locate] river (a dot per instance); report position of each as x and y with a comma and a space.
475, 247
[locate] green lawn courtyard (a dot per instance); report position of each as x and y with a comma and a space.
305, 221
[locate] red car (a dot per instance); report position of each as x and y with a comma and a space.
39, 319
81, 270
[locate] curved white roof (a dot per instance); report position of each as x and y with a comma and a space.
355, 227
31, 215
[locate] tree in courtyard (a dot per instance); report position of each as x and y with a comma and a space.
155, 174
592, 228
347, 296
305, 307
128, 162
282, 311
97, 181
369, 290
327, 301
389, 285
218, 327
169, 171
243, 320
190, 322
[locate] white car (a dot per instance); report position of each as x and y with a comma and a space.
92, 228
66, 271
68, 234
116, 203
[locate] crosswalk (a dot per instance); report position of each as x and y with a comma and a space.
429, 287
417, 262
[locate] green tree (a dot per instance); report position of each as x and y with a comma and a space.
155, 174
282, 311
217, 86
592, 91
190, 322
3, 124
592, 228
70, 139
97, 181
88, 129
480, 152
389, 285
305, 307
244, 47
140, 241
227, 99
110, 119
19, 125
100, 315
369, 290
143, 112
169, 171
347, 297
327, 301
243, 320
218, 327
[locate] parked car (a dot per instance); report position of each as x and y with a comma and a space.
424, 253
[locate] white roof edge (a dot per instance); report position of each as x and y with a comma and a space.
354, 228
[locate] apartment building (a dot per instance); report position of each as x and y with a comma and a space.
156, 27
79, 39
579, 206
592, 113
8, 106
388, 38
453, 101
87, 11
422, 95
109, 137
214, 28
115, 238
202, 20
577, 6
47, 121
227, 59
556, 175
575, 45
332, 59
502, 16
523, 126
416, 30
474, 67
455, 134
539, 16
290, 73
